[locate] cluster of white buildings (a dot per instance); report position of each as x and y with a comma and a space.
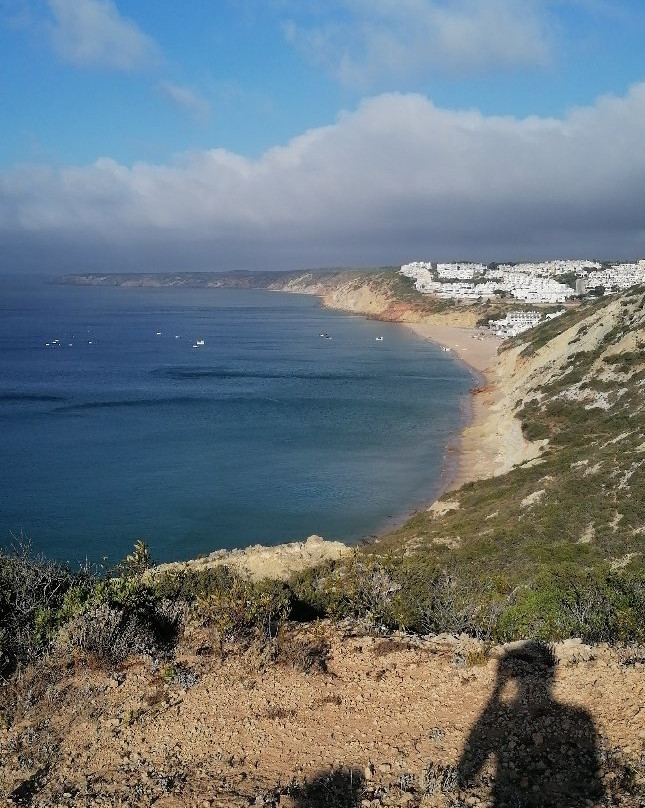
617, 277
526, 282
460, 272
515, 322
549, 269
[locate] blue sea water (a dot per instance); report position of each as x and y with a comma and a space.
267, 433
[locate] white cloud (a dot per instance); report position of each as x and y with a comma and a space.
93, 33
186, 98
367, 40
397, 179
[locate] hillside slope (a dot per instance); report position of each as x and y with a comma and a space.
568, 408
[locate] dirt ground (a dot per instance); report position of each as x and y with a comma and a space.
385, 721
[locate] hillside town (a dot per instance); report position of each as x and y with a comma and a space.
545, 284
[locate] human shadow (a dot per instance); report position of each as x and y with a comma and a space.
340, 788
531, 749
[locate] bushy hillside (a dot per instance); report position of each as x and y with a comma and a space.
572, 519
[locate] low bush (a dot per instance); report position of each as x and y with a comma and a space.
244, 610
599, 605
306, 651
110, 634
34, 599
361, 587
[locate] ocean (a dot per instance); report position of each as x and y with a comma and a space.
114, 427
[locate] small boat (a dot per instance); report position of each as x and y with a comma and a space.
379, 339
158, 333
199, 342
325, 335
443, 348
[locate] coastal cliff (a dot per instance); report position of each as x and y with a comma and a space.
553, 466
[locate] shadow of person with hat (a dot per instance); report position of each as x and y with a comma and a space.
533, 751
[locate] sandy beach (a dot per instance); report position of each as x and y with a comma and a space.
479, 443
476, 347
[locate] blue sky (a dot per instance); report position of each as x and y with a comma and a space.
196, 129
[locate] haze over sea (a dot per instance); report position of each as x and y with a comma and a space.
266, 433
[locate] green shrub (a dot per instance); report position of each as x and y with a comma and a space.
137, 562
189, 585
244, 609
598, 606
359, 587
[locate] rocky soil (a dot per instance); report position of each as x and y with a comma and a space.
396, 721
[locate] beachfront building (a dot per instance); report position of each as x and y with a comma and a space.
535, 288
551, 269
516, 322
422, 274
465, 291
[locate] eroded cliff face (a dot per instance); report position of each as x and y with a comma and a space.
374, 295
495, 443
584, 353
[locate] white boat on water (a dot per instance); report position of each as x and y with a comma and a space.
379, 339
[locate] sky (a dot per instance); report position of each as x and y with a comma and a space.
284, 134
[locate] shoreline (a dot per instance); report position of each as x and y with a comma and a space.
471, 346
478, 350
476, 449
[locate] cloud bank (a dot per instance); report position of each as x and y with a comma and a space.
394, 180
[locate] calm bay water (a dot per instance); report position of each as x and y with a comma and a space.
266, 433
